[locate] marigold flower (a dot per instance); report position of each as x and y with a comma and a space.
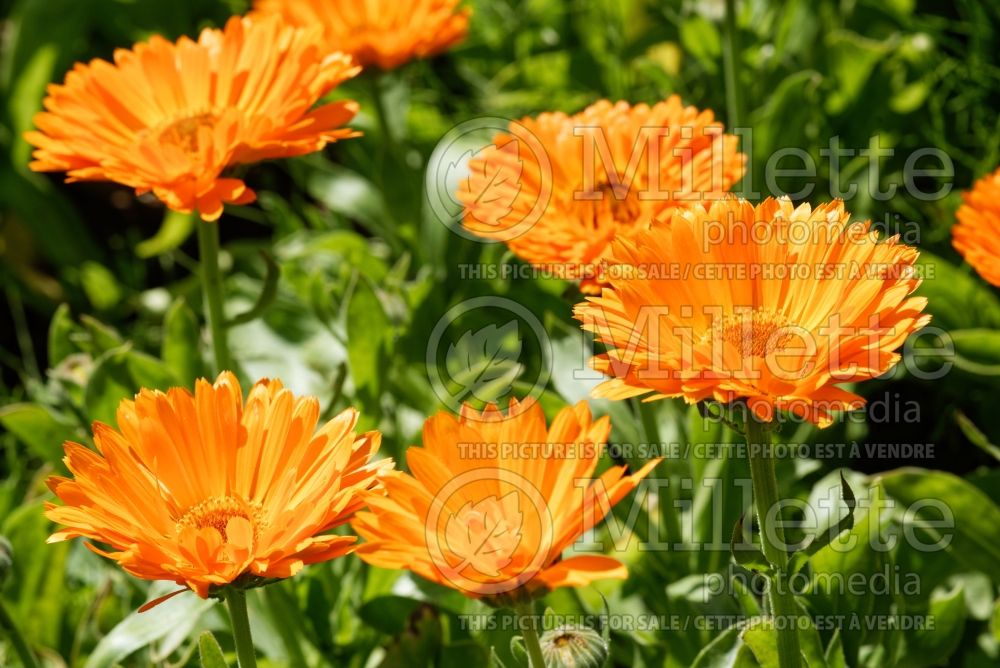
384, 33
977, 235
494, 500
557, 188
170, 118
206, 491
774, 304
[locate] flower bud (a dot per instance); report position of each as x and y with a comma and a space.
574, 647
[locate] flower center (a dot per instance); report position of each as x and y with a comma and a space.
754, 333
184, 133
216, 512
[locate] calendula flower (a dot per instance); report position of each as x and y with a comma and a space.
206, 490
383, 33
775, 305
494, 500
172, 118
977, 235
558, 189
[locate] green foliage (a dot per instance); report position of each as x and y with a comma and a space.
358, 270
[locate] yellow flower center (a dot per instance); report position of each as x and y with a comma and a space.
754, 333
183, 133
216, 512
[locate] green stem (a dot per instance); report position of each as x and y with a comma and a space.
765, 492
388, 138
530, 635
16, 639
211, 284
730, 56
236, 599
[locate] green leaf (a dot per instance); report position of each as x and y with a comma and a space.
973, 531
61, 330
823, 538
174, 231
746, 554
101, 337
367, 325
762, 640
810, 642
974, 434
38, 428
100, 285
209, 651
850, 555
118, 375
177, 617
181, 348
268, 291
701, 39
835, 651
957, 298
726, 650
388, 614
927, 647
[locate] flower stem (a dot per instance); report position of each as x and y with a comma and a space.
784, 608
530, 635
211, 284
236, 599
730, 55
16, 639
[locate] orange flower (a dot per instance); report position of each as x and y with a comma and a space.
206, 491
977, 236
557, 189
773, 304
494, 500
171, 118
384, 33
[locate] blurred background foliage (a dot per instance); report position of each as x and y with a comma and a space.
99, 298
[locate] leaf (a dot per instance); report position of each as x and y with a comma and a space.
700, 38
974, 434
834, 654
176, 617
762, 640
481, 364
268, 292
726, 650
367, 327
927, 647
181, 347
61, 330
174, 231
852, 555
958, 299
823, 538
747, 555
209, 651
388, 614
973, 530
485, 535
38, 428
100, 285
118, 375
